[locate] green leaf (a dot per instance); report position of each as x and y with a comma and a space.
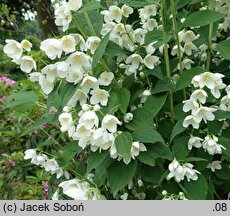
123, 144
123, 96
90, 6
69, 151
162, 86
100, 50
194, 159
137, 3
21, 101
221, 115
223, 173
119, 175
224, 141
153, 36
67, 92
147, 135
181, 3
178, 128
214, 127
202, 18
180, 148
96, 159
144, 116
151, 174
187, 76
46, 118
197, 190
224, 49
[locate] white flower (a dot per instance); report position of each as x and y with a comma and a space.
13, 49
147, 11
74, 76
150, 49
79, 40
205, 113
126, 10
89, 82
50, 165
92, 43
136, 148
189, 47
190, 105
80, 96
27, 64
176, 170
186, 63
194, 141
211, 146
66, 121
110, 123
50, 71
63, 17
191, 120
151, 61
188, 36
46, 85
30, 153
35, 76
200, 95
52, 48
74, 189
128, 117
99, 96
207, 79
82, 131
89, 119
56, 195
26, 45
139, 35
196, 80
105, 78
62, 69
190, 173
145, 95
115, 13
68, 44
39, 159
175, 50
134, 60
215, 165
225, 103
227, 89
74, 5
79, 60
150, 24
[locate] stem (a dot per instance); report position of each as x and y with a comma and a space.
166, 57
91, 28
105, 66
175, 29
209, 47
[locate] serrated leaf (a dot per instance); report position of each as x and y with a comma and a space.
178, 128
69, 151
123, 144
224, 49
96, 159
197, 190
100, 50
119, 175
186, 77
202, 18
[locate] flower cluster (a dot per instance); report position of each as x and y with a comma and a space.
179, 171
213, 82
179, 196
50, 165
